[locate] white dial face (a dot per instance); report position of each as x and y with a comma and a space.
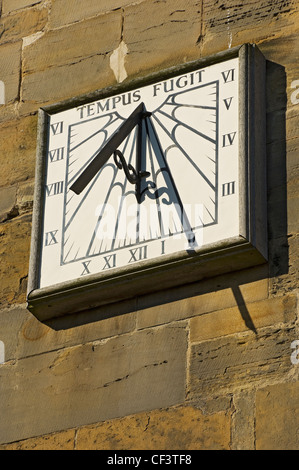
188, 197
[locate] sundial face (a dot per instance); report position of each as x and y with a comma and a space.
188, 198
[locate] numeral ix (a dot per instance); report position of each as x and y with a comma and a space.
50, 238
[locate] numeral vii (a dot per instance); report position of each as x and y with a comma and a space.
56, 155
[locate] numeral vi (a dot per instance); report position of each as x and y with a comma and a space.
57, 128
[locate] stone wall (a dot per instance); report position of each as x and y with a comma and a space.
205, 366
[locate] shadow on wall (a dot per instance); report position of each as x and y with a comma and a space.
277, 228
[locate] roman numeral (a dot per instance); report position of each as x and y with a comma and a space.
228, 76
228, 188
138, 254
86, 269
56, 155
110, 262
228, 139
54, 188
50, 238
228, 102
57, 128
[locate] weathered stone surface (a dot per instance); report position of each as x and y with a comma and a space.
57, 84
7, 203
230, 362
293, 213
21, 24
183, 428
60, 441
277, 417
11, 321
14, 254
92, 382
206, 296
37, 338
249, 316
229, 23
11, 5
18, 150
23, 335
71, 44
160, 34
284, 254
243, 421
62, 14
10, 66
25, 195
70, 61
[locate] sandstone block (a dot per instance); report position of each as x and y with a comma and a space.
183, 428
243, 318
293, 212
61, 441
93, 382
10, 66
11, 5
14, 254
277, 417
7, 202
71, 44
18, 150
243, 422
70, 61
228, 24
160, 34
25, 195
37, 338
231, 362
21, 24
57, 84
11, 321
203, 297
62, 14
284, 264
